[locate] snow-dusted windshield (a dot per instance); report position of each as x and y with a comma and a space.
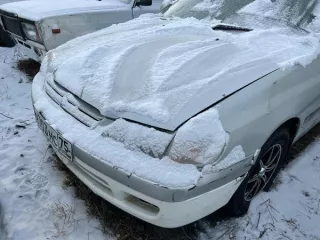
205, 8
295, 12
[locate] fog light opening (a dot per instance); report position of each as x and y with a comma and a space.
143, 205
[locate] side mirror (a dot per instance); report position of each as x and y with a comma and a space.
143, 2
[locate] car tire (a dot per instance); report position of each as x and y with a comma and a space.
264, 170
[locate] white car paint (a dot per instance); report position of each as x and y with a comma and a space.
74, 18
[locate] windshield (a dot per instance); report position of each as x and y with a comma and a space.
293, 12
219, 9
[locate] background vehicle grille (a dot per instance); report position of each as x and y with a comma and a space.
12, 25
82, 111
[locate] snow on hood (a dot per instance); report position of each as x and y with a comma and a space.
161, 72
38, 9
138, 138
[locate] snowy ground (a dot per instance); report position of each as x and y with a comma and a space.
37, 206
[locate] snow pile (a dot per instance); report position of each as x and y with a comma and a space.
200, 141
137, 137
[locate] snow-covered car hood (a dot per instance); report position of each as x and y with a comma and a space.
38, 9
162, 72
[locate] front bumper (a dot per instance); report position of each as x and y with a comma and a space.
29, 49
152, 210
160, 205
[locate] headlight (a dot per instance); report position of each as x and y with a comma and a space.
199, 141
31, 32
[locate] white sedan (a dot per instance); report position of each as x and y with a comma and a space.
171, 118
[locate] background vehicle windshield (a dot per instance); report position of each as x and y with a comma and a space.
295, 12
201, 9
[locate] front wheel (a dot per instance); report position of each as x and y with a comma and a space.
263, 172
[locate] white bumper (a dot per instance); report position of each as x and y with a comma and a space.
160, 213
27, 50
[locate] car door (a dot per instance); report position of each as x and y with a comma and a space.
310, 96
139, 9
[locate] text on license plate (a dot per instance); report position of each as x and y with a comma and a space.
62, 145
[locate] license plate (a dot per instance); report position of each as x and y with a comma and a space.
63, 146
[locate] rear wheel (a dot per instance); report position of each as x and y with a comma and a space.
262, 174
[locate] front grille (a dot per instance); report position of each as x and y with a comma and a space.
11, 24
82, 111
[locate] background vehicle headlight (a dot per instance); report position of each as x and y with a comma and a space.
31, 32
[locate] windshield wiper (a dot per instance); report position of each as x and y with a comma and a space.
226, 27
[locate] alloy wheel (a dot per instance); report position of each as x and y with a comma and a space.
263, 172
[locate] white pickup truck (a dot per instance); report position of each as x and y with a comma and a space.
41, 25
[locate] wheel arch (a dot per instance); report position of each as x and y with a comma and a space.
292, 124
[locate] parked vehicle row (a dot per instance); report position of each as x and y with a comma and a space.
172, 116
